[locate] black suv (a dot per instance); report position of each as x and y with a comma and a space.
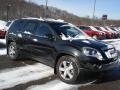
60, 45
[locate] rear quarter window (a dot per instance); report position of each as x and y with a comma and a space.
17, 25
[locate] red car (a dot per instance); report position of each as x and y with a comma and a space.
108, 34
2, 31
93, 32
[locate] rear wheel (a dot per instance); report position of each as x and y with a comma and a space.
68, 69
13, 51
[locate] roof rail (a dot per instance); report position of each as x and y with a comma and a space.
41, 19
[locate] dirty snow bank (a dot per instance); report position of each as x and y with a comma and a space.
57, 85
21, 75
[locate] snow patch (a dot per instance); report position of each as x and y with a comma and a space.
21, 75
3, 51
57, 85
111, 40
116, 45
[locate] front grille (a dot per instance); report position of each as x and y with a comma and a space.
111, 53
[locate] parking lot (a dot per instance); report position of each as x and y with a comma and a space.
31, 75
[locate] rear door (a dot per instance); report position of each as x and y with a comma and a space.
27, 33
15, 32
43, 47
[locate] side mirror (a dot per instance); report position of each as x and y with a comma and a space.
50, 37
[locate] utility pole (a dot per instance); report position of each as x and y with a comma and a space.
94, 9
46, 7
7, 11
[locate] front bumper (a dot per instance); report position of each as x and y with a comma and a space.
97, 66
109, 66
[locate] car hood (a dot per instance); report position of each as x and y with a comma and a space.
97, 44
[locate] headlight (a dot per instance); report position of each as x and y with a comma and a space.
92, 52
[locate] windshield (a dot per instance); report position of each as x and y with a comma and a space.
68, 31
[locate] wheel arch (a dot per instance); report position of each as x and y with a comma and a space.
60, 55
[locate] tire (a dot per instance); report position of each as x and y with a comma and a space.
13, 52
67, 69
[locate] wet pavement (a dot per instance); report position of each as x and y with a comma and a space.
109, 80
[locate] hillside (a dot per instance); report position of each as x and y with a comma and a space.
12, 9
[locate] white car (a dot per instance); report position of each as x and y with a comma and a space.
7, 26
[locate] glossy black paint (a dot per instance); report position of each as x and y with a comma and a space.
49, 49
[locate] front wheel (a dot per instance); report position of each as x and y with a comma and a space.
68, 69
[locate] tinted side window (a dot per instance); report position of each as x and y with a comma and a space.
17, 25
42, 30
30, 27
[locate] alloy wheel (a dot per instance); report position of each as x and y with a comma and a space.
66, 70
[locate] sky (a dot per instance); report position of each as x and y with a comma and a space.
84, 8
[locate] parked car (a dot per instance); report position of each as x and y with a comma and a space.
108, 34
103, 34
117, 33
117, 29
91, 31
8, 24
112, 31
60, 45
2, 31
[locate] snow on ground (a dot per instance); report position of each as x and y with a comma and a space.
57, 85
114, 42
21, 75
111, 40
3, 51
